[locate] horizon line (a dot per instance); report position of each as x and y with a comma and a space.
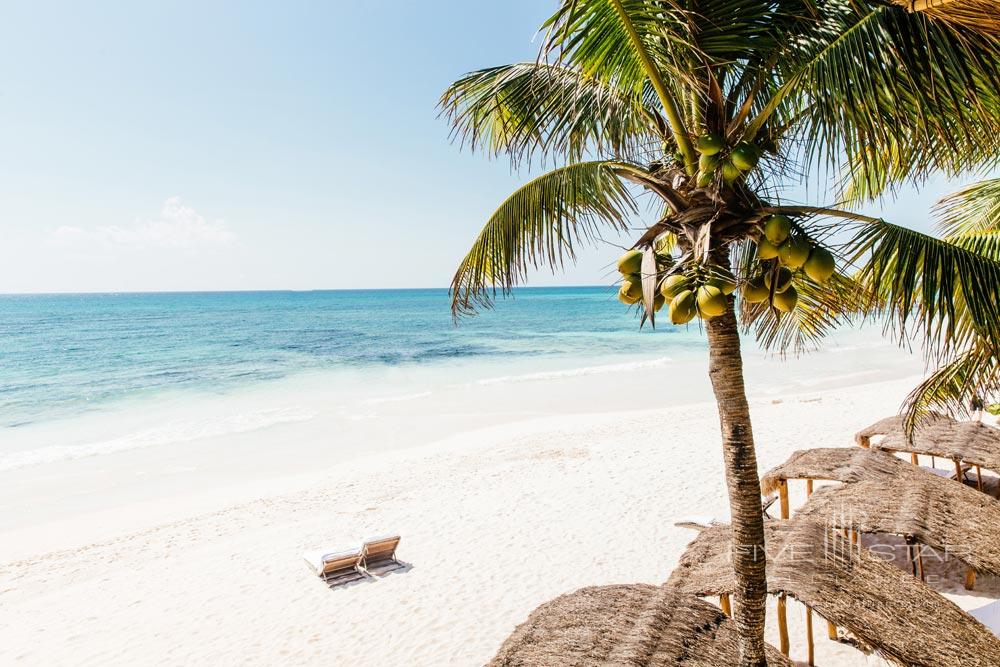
277, 291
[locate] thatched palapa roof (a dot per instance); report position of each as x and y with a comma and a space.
635, 625
980, 15
837, 464
936, 435
952, 518
885, 609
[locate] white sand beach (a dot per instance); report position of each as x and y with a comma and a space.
494, 522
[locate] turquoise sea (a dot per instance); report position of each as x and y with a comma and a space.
64, 355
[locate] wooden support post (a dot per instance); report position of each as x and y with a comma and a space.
783, 624
970, 579
933, 462
724, 603
911, 556
979, 478
783, 495
809, 487
809, 636
958, 471
831, 631
915, 459
920, 561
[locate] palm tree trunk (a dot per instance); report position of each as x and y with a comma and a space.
725, 368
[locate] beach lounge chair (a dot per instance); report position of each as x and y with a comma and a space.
700, 521
380, 553
337, 567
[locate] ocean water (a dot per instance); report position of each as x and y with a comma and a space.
294, 375
62, 355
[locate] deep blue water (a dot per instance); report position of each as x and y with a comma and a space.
65, 354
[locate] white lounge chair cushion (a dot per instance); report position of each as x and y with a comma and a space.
988, 615
939, 472
381, 538
316, 559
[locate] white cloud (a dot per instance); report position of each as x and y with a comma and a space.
178, 226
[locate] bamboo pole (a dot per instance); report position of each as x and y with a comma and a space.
809, 487
783, 495
724, 603
958, 471
809, 636
911, 556
831, 631
915, 459
783, 624
920, 561
923, 5
970, 579
979, 478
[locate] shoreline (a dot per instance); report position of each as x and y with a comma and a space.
491, 528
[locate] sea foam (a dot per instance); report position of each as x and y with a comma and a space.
167, 434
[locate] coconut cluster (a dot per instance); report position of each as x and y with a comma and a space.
717, 156
697, 291
702, 291
784, 256
630, 266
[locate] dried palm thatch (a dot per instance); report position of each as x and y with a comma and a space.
885, 609
936, 435
837, 464
980, 15
949, 517
632, 625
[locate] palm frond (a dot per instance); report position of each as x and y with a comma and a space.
536, 109
973, 375
542, 223
821, 308
951, 293
971, 211
628, 42
898, 94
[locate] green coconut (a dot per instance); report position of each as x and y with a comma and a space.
705, 178
730, 172
709, 144
755, 291
745, 156
785, 301
683, 307
777, 228
624, 297
766, 249
709, 162
673, 285
630, 262
632, 284
820, 265
723, 279
794, 252
711, 301
783, 282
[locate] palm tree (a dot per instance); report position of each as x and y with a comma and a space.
712, 107
946, 288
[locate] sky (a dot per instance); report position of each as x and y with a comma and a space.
257, 145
